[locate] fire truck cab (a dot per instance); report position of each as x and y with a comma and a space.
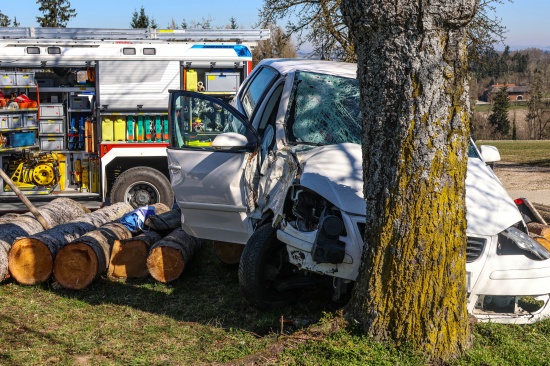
83, 111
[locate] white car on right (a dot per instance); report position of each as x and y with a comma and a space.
280, 172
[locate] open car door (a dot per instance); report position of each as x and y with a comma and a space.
212, 148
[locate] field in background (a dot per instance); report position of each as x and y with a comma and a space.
530, 152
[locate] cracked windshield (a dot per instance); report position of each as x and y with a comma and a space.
325, 110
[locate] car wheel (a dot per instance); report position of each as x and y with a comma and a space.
142, 186
264, 269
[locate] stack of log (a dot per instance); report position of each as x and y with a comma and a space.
81, 247
12, 226
540, 232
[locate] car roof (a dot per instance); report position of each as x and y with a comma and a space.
284, 66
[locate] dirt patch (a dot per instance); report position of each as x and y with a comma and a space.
523, 177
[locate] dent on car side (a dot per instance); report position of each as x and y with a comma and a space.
506, 283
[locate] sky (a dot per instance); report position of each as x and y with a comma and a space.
526, 21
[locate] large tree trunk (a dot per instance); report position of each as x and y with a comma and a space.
81, 261
31, 258
169, 256
58, 211
412, 70
129, 256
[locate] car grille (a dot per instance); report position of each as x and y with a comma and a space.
474, 248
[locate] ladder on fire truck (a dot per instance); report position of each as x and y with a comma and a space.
36, 34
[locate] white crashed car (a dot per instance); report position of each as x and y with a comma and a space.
280, 171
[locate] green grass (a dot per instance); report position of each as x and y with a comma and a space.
530, 152
203, 319
489, 107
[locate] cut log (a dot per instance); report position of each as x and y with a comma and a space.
81, 261
543, 241
539, 229
31, 258
129, 256
169, 256
228, 253
543, 210
56, 212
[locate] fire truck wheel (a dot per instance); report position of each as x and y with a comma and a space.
264, 270
142, 186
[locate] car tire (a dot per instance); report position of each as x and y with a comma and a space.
262, 265
142, 186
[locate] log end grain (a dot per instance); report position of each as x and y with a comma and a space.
128, 259
228, 253
543, 241
165, 264
75, 266
30, 261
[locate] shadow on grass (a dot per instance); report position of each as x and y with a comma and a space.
539, 163
206, 293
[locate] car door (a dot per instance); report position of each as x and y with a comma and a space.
212, 146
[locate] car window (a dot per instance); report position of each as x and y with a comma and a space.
472, 150
256, 89
198, 119
324, 110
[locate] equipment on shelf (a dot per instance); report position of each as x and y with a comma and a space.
35, 172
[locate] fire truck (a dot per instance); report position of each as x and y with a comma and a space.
83, 111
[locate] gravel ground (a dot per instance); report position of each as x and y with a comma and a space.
526, 181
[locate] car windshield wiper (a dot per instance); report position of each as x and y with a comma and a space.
295, 143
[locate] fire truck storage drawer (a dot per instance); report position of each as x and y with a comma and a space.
10, 121
51, 110
51, 126
24, 79
17, 139
79, 102
7, 78
222, 81
29, 120
52, 143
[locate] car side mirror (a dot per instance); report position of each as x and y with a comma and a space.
230, 141
489, 154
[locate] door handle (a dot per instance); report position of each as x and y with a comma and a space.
174, 167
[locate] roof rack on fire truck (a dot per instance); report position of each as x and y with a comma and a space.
43, 33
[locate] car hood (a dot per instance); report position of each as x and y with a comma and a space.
336, 173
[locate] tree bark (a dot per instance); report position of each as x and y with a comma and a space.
412, 71
169, 256
31, 258
83, 260
129, 256
56, 212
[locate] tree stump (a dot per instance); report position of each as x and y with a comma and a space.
169, 256
81, 261
12, 226
129, 256
31, 258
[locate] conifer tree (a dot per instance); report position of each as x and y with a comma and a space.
56, 13
499, 117
4, 20
139, 20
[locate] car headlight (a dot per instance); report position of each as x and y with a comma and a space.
525, 242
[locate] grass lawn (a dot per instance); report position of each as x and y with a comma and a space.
530, 152
203, 319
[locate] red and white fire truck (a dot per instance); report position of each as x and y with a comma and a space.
83, 111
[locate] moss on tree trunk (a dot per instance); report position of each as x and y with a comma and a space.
412, 70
